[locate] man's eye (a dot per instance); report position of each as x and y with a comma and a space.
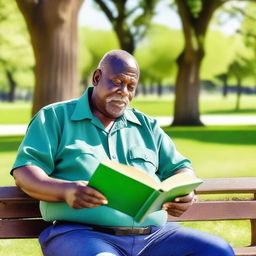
117, 82
131, 88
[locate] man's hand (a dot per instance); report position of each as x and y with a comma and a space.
78, 195
35, 182
180, 204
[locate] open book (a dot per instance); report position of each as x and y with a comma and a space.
134, 192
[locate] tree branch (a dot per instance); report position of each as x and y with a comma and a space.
27, 6
206, 13
185, 16
106, 10
244, 13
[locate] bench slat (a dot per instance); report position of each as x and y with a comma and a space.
228, 185
13, 193
22, 229
218, 210
19, 209
245, 251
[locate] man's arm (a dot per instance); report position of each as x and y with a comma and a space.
36, 183
180, 204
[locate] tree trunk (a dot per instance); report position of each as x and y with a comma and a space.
239, 92
225, 85
159, 88
152, 87
143, 89
12, 84
186, 108
53, 29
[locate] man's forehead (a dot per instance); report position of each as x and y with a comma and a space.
120, 66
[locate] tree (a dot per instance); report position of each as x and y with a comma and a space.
92, 51
195, 17
53, 30
156, 55
243, 48
240, 69
248, 31
129, 19
16, 53
213, 67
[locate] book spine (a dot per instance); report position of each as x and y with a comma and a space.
144, 210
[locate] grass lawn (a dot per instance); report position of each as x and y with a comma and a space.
19, 113
209, 104
222, 151
15, 113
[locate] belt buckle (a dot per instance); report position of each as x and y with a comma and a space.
133, 231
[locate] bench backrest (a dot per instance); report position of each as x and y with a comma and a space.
20, 216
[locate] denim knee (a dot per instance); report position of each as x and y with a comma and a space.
220, 248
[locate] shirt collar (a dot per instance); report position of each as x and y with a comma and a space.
83, 110
131, 117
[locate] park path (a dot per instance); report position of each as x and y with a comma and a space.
20, 129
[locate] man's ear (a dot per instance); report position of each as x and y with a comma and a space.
96, 77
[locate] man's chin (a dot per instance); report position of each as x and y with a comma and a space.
115, 114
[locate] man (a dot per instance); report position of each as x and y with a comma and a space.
62, 148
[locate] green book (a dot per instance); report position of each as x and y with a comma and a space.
134, 192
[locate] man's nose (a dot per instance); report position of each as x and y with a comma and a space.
123, 90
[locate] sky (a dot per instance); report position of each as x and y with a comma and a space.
92, 17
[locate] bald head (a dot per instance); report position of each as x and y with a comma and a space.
118, 59
115, 82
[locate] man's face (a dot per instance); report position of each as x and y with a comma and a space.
114, 88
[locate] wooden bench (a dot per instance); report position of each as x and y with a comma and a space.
20, 216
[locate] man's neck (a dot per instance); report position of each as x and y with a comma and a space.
104, 120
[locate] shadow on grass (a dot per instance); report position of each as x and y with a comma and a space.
232, 111
227, 135
10, 143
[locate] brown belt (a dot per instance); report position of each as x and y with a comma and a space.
118, 231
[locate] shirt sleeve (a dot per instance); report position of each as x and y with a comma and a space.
40, 143
170, 160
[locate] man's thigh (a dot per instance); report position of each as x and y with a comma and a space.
68, 245
77, 242
183, 241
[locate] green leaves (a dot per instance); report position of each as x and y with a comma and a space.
195, 7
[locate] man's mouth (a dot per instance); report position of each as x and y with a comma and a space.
119, 103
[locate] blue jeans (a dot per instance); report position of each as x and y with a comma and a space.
170, 240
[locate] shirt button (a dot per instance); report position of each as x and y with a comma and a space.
113, 156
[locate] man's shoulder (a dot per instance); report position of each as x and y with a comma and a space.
142, 117
61, 104
61, 110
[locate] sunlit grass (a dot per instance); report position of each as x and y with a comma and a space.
237, 232
209, 104
20, 247
218, 151
15, 113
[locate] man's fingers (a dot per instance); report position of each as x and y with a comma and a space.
94, 193
79, 196
175, 212
80, 204
178, 206
90, 198
185, 199
86, 201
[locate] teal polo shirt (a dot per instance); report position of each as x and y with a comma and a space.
67, 141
